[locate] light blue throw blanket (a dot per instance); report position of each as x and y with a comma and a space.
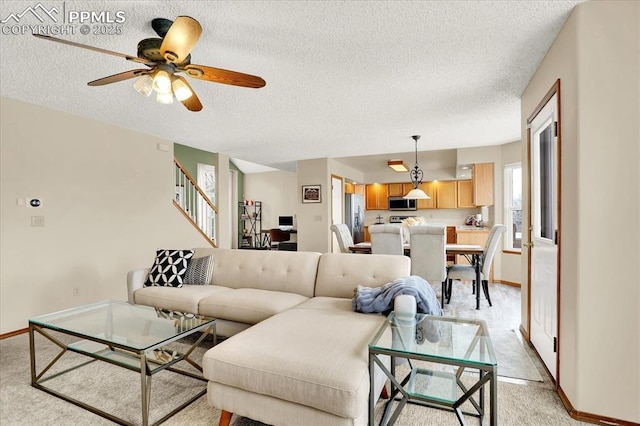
380, 299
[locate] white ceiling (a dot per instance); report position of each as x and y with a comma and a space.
344, 78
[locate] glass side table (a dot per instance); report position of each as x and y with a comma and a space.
443, 341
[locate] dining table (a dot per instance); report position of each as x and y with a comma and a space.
473, 252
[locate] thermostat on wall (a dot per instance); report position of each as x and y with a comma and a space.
34, 202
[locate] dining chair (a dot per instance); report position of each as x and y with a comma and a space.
468, 272
277, 236
386, 239
345, 240
428, 254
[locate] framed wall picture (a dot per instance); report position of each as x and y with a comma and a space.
311, 194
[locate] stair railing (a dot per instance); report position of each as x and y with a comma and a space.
194, 204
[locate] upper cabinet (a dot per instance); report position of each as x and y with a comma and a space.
429, 188
447, 194
377, 196
465, 194
482, 177
396, 189
349, 188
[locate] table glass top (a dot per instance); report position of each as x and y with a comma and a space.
131, 326
443, 338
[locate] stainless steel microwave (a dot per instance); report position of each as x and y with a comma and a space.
399, 203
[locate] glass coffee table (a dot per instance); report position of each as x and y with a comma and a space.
134, 337
449, 346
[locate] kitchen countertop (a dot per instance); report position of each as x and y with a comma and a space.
471, 228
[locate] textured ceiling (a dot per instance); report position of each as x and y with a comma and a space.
344, 78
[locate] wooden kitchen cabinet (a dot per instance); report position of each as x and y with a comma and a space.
429, 188
399, 189
465, 194
482, 178
396, 190
447, 195
377, 196
349, 188
367, 236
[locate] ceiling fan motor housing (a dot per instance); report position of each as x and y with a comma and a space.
149, 48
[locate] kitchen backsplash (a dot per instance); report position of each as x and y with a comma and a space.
452, 217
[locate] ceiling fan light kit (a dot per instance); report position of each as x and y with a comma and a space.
162, 79
144, 85
164, 98
165, 57
416, 178
180, 89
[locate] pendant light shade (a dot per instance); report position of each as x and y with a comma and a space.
416, 194
416, 178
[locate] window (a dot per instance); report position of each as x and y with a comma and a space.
513, 206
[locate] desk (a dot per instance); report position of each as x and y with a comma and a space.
443, 341
265, 239
476, 252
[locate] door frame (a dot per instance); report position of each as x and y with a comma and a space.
554, 90
341, 201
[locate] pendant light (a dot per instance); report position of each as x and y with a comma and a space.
416, 178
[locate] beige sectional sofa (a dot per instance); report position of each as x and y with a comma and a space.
296, 352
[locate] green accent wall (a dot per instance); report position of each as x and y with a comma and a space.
190, 157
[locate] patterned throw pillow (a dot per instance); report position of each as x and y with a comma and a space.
199, 271
169, 268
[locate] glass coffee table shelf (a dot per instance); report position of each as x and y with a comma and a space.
135, 337
445, 348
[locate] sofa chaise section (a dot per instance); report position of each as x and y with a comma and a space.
309, 364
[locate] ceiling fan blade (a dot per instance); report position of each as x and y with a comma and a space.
192, 103
119, 77
97, 49
218, 75
180, 39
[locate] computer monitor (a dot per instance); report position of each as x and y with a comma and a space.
285, 223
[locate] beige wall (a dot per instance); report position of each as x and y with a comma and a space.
226, 208
106, 194
278, 193
596, 56
314, 219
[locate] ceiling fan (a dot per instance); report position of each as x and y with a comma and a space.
165, 57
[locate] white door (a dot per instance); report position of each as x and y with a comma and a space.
337, 195
543, 248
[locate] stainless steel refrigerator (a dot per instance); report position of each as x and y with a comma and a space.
354, 216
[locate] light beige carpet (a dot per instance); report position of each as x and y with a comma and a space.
113, 388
